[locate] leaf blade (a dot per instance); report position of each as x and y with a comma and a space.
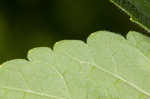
106, 67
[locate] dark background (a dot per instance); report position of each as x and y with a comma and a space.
25, 24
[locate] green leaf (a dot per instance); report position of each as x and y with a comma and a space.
138, 10
106, 67
140, 41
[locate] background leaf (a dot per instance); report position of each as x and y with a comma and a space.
138, 10
106, 67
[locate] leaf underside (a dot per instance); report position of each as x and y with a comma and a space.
108, 66
138, 10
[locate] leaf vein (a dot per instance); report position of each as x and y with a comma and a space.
112, 74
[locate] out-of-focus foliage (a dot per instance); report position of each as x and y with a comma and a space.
25, 24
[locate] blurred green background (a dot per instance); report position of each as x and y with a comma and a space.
25, 24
